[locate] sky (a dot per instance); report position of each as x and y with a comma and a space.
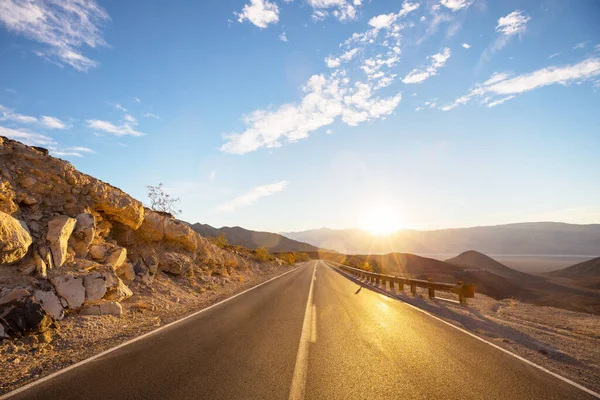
287, 115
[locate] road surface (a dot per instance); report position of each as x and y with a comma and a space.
310, 334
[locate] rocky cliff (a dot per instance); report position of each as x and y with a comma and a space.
72, 244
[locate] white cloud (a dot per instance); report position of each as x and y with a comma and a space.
505, 86
29, 138
129, 118
579, 45
456, 5
341, 9
500, 101
438, 60
253, 196
283, 37
385, 21
7, 114
53, 122
75, 151
466, 45
513, 23
65, 26
150, 115
118, 107
125, 129
259, 12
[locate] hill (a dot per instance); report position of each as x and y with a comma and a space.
477, 260
253, 239
586, 274
529, 238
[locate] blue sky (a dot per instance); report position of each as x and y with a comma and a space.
289, 115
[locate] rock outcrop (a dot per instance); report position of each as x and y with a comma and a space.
14, 239
74, 244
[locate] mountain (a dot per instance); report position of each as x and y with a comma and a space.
475, 259
239, 236
529, 238
586, 273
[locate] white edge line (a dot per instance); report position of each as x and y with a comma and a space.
105, 352
518, 357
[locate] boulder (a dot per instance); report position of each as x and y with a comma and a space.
117, 257
59, 232
21, 314
70, 288
40, 265
153, 227
118, 293
109, 273
83, 234
175, 263
95, 286
126, 272
98, 252
14, 239
180, 233
104, 308
51, 303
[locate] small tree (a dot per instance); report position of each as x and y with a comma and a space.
221, 240
262, 254
162, 201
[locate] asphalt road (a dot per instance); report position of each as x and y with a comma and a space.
309, 334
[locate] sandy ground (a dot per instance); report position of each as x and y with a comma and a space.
564, 342
79, 337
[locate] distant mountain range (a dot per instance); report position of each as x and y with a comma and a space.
530, 238
586, 274
253, 239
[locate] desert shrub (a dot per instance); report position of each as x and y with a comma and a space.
262, 254
161, 200
289, 258
221, 240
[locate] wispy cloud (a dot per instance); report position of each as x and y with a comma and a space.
29, 138
75, 151
283, 37
127, 128
261, 13
65, 26
509, 26
118, 107
504, 86
580, 45
466, 45
53, 122
252, 196
137, 99
553, 55
150, 115
419, 75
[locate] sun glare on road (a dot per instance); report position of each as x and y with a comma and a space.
381, 219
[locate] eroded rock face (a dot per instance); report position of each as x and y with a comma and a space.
14, 239
59, 232
70, 288
21, 314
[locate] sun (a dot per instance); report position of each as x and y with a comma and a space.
381, 219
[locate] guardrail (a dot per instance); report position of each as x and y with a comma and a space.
460, 288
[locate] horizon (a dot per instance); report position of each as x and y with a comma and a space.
381, 116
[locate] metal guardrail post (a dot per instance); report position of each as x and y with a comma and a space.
413, 289
431, 289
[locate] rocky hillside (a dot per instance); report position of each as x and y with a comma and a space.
253, 239
586, 274
475, 259
71, 244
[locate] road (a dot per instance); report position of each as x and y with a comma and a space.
310, 334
